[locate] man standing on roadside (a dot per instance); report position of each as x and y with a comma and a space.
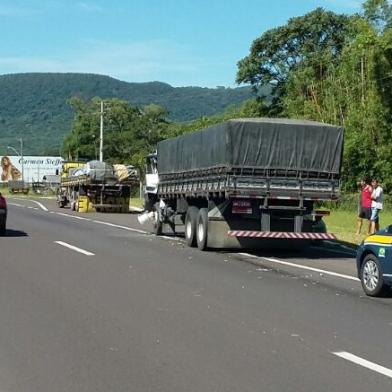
365, 210
377, 199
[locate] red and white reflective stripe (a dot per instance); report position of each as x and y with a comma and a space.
281, 235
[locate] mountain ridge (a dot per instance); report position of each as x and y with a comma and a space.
34, 105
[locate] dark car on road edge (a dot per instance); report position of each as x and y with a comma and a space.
3, 215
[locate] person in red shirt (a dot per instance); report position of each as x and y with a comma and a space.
365, 205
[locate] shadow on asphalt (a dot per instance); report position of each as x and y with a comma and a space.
310, 251
15, 233
288, 249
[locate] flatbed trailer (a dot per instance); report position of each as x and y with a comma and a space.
246, 182
85, 195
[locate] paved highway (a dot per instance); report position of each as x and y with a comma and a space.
95, 303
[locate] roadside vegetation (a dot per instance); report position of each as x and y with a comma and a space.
343, 218
343, 224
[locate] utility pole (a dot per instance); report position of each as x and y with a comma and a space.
101, 135
21, 157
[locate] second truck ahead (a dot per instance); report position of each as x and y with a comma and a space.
246, 182
96, 186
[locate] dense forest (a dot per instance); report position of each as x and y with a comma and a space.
36, 106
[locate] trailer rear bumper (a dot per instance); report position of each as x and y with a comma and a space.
281, 235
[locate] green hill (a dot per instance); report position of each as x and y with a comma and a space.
34, 105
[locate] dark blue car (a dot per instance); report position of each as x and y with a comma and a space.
374, 262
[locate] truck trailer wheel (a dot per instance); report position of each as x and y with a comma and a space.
202, 229
190, 225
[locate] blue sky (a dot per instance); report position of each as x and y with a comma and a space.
180, 42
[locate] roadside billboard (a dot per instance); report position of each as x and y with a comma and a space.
34, 167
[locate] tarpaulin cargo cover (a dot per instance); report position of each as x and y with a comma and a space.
263, 143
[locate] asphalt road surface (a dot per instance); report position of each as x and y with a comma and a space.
94, 302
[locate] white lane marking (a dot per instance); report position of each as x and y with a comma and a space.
331, 273
73, 216
33, 201
16, 205
166, 237
248, 255
363, 362
120, 227
105, 223
75, 248
40, 205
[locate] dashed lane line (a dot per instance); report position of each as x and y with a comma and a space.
75, 248
364, 363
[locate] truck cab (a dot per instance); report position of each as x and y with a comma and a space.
152, 179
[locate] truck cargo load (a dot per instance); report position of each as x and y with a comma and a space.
271, 144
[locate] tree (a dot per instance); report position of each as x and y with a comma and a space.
354, 92
314, 37
129, 132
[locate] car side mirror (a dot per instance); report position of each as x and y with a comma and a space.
389, 229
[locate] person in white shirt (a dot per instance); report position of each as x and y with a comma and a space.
377, 199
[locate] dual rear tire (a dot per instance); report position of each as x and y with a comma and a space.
196, 227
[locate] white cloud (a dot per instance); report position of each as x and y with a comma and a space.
89, 7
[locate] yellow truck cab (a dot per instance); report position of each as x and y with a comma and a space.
69, 165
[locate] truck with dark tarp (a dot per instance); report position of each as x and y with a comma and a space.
245, 182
